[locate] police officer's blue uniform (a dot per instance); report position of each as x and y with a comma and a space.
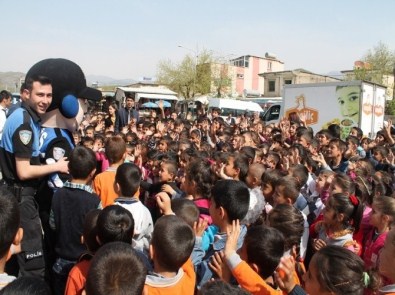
21, 139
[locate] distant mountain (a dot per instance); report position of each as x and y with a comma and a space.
11, 81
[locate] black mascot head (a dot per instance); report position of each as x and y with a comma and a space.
68, 85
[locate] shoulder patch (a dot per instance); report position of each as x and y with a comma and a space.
25, 136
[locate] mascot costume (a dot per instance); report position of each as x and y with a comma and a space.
64, 115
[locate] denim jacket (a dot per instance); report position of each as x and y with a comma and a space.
201, 258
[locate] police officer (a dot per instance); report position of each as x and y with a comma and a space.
19, 160
70, 96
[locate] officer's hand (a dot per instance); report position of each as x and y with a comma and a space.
63, 165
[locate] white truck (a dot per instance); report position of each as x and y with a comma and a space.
234, 107
348, 103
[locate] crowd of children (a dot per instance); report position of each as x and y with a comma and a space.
171, 206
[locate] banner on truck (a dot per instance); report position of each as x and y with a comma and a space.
317, 106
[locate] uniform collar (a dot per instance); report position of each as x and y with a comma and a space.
31, 112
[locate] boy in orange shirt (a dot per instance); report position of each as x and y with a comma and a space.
103, 184
171, 246
116, 269
256, 261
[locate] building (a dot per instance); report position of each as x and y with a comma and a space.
274, 81
246, 78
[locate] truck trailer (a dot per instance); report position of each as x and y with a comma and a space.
348, 104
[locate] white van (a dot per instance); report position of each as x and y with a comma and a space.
234, 107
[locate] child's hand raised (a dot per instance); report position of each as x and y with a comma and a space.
232, 238
219, 266
164, 203
284, 274
125, 129
160, 127
222, 174
199, 227
319, 158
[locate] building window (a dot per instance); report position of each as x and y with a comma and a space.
241, 62
240, 76
269, 65
287, 82
272, 86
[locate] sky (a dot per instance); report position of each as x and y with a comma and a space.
126, 39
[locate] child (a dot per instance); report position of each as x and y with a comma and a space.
237, 141
257, 200
335, 153
379, 161
321, 194
268, 182
272, 161
116, 269
150, 166
199, 180
357, 132
77, 138
353, 148
332, 270
98, 148
382, 184
340, 183
196, 138
170, 250
342, 215
88, 142
387, 261
257, 260
301, 174
382, 218
29, 285
286, 192
89, 131
217, 287
127, 183
69, 206
115, 223
11, 233
186, 156
324, 136
249, 152
229, 201
167, 175
304, 138
186, 210
103, 185
236, 167
77, 275
163, 144
290, 222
